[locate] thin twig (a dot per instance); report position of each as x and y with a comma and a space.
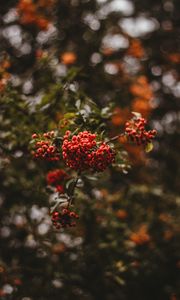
115, 138
73, 189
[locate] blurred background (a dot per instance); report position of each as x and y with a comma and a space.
123, 54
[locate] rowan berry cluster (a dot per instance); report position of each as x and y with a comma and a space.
44, 147
82, 152
103, 157
60, 188
77, 150
65, 218
56, 178
135, 130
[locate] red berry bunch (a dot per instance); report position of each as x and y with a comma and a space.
135, 129
81, 152
77, 150
59, 188
56, 176
65, 218
102, 158
44, 147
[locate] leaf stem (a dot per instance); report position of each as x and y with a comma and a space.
71, 193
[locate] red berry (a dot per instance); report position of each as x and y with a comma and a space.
34, 136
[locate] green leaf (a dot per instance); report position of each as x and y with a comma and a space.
58, 202
119, 159
79, 183
78, 104
119, 280
69, 183
91, 102
149, 147
70, 115
93, 178
105, 112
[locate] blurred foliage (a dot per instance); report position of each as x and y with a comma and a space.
57, 55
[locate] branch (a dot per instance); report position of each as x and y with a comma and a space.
115, 138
